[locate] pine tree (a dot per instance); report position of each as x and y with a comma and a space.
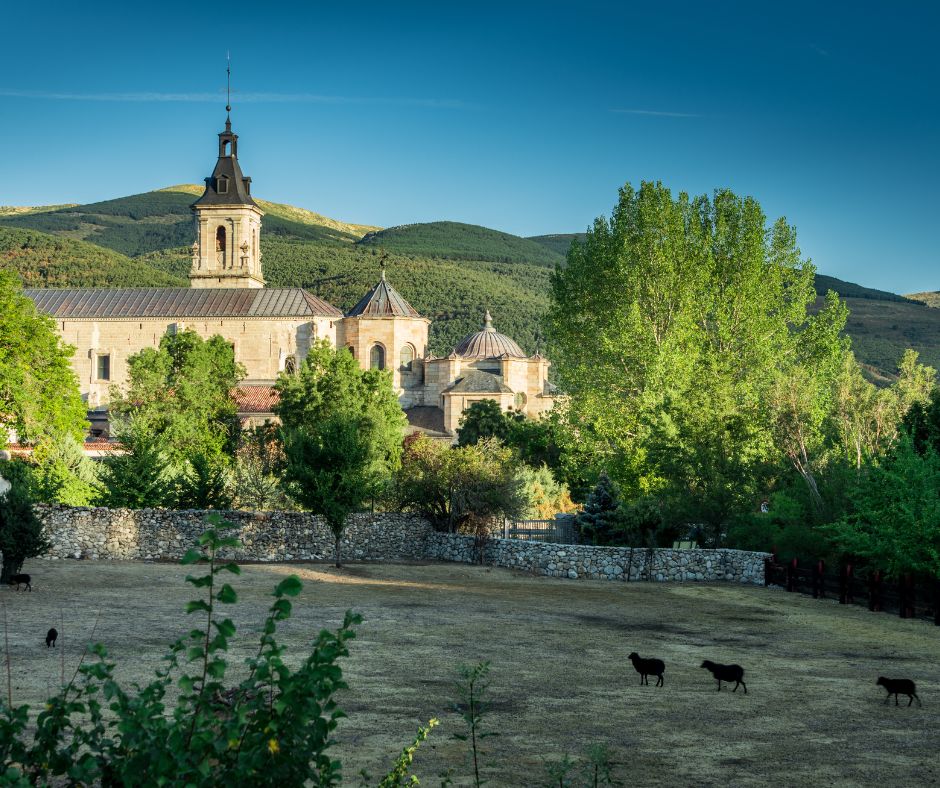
137, 477
602, 511
21, 534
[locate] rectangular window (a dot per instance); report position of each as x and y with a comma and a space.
104, 367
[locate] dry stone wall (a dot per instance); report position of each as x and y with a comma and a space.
604, 563
161, 534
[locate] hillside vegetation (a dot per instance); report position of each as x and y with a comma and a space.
48, 261
930, 298
456, 241
158, 220
450, 272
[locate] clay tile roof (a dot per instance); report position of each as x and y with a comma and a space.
383, 300
488, 343
150, 302
255, 399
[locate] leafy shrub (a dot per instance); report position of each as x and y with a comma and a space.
273, 728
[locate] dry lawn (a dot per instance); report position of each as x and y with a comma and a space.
560, 678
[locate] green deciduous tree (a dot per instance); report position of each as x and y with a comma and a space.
483, 419
38, 390
674, 323
449, 486
180, 393
896, 520
342, 433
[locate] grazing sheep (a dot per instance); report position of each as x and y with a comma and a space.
648, 667
728, 673
895, 686
18, 580
51, 636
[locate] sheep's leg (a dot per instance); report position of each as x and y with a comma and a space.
896, 699
745, 687
660, 682
911, 700
736, 685
918, 700
719, 685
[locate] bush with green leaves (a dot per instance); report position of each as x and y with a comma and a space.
139, 474
274, 727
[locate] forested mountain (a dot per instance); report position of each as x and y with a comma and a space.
450, 272
44, 260
456, 241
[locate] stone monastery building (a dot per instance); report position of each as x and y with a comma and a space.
271, 329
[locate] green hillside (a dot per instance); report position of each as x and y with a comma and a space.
152, 221
559, 243
456, 241
48, 261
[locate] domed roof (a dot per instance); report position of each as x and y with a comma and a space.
383, 300
488, 343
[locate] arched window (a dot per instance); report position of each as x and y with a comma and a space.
352, 350
377, 357
407, 356
520, 400
220, 245
290, 365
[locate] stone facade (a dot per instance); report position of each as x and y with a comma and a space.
159, 534
262, 344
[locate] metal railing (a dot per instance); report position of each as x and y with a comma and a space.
555, 531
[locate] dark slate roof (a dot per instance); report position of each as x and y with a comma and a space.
478, 382
92, 302
383, 300
488, 343
426, 418
239, 187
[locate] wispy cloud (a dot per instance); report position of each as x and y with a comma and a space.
655, 113
818, 49
241, 98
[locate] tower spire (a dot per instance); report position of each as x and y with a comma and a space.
228, 91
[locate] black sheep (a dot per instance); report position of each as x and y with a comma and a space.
648, 667
18, 580
51, 636
729, 673
895, 686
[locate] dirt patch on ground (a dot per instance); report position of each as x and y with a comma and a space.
560, 678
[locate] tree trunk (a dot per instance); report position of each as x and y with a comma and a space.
339, 538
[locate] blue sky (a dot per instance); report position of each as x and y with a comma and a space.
525, 117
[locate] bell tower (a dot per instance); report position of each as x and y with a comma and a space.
226, 252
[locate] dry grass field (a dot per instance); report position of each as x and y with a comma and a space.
560, 678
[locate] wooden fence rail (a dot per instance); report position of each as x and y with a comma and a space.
907, 596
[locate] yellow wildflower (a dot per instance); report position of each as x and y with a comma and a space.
273, 747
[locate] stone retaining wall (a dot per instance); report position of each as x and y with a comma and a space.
161, 534
604, 563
